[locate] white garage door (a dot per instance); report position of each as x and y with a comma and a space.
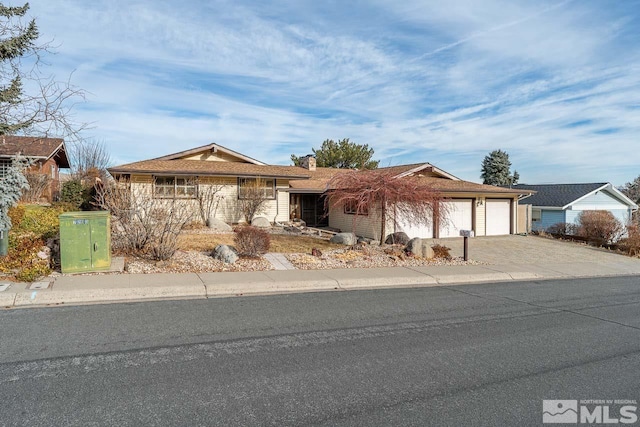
498, 217
415, 230
459, 218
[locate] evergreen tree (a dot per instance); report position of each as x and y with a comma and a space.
13, 183
496, 169
632, 190
343, 154
47, 108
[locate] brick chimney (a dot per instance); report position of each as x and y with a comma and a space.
308, 162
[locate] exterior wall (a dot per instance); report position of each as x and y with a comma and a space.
228, 207
602, 200
524, 219
480, 226
214, 157
365, 226
548, 218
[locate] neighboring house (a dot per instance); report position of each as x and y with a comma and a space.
297, 192
49, 154
562, 203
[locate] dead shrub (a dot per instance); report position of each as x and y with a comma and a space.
252, 241
631, 244
441, 251
599, 227
562, 229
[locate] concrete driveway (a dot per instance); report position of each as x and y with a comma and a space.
534, 250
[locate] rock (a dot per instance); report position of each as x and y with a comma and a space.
260, 222
316, 252
344, 239
299, 223
364, 240
399, 238
289, 229
420, 248
218, 225
225, 254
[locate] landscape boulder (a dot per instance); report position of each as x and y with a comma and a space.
216, 224
420, 248
260, 222
344, 239
225, 254
399, 238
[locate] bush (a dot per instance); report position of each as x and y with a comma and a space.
441, 251
16, 213
22, 260
252, 241
599, 227
40, 220
631, 244
562, 229
72, 192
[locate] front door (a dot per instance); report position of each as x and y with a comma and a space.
312, 210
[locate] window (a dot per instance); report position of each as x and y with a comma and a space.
170, 187
256, 188
4, 166
351, 208
536, 215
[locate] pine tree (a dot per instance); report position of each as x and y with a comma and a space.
496, 169
12, 184
343, 154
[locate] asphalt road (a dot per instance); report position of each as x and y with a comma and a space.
460, 355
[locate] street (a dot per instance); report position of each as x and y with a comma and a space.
485, 354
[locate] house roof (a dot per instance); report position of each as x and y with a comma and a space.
195, 167
29, 146
445, 185
562, 195
210, 147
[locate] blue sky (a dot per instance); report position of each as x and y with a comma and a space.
554, 83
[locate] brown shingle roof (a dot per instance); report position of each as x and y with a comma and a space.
30, 146
197, 167
451, 186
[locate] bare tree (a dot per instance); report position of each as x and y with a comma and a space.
253, 197
38, 183
142, 224
47, 106
89, 160
208, 200
382, 194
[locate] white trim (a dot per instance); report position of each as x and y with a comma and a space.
607, 187
434, 169
211, 146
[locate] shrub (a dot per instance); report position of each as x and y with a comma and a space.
631, 244
441, 251
16, 213
563, 229
72, 192
22, 260
252, 241
40, 220
600, 227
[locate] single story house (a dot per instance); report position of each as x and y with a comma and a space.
562, 203
297, 192
49, 154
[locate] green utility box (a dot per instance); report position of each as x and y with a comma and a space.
85, 241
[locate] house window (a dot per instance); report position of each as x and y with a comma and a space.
4, 167
256, 187
351, 208
536, 215
170, 187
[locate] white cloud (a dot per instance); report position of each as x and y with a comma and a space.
444, 82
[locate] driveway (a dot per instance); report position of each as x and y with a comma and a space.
533, 250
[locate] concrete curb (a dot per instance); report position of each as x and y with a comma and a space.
96, 289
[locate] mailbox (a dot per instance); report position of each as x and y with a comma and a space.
467, 233
85, 241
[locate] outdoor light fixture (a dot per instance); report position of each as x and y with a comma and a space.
479, 202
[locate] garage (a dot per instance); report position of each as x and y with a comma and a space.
498, 217
460, 217
415, 230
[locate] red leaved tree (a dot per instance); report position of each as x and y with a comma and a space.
366, 192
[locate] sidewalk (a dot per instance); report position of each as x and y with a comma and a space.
90, 289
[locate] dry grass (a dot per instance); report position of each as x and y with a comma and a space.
279, 243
